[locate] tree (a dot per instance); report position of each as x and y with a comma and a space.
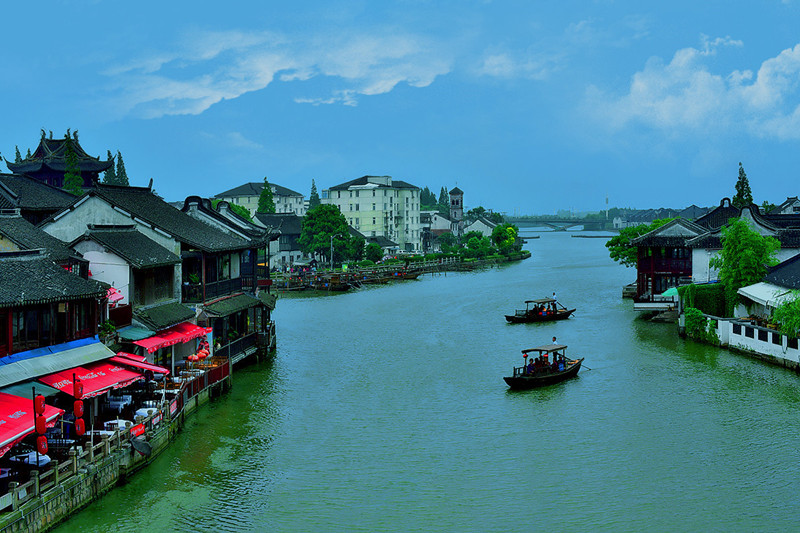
767, 206
504, 236
787, 315
620, 248
427, 200
319, 226
28, 156
265, 202
313, 199
240, 210
17, 156
73, 182
744, 258
448, 242
122, 176
110, 175
475, 213
743, 195
374, 252
356, 248
444, 202
497, 218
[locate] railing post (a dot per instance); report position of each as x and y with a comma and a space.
90, 450
35, 480
55, 472
73, 454
106, 445
12, 488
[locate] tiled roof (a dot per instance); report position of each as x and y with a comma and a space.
285, 223
32, 278
364, 180
28, 237
145, 205
163, 316
51, 153
35, 195
231, 304
456, 190
131, 245
382, 241
719, 216
195, 205
786, 274
254, 189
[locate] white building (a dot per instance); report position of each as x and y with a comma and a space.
286, 200
378, 206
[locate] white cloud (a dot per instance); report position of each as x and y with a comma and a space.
208, 67
685, 96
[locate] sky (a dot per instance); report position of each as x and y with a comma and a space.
529, 106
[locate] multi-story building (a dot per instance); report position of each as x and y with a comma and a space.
379, 206
286, 200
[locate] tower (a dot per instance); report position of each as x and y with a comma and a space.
457, 212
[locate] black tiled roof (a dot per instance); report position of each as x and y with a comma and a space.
786, 274
131, 245
381, 241
195, 204
285, 223
656, 237
720, 215
163, 316
28, 237
147, 206
254, 189
456, 190
34, 195
784, 221
364, 180
231, 304
51, 153
32, 278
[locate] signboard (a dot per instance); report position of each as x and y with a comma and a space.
137, 430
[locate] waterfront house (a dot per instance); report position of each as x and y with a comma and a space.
247, 195
482, 225
35, 200
380, 206
285, 250
48, 162
17, 234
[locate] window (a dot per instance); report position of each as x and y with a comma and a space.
373, 207
762, 335
776, 338
356, 222
749, 332
351, 207
356, 207
373, 220
737, 329
373, 192
356, 194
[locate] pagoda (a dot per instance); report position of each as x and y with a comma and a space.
48, 163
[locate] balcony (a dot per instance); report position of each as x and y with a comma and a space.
235, 349
193, 292
121, 315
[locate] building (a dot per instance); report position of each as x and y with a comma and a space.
286, 200
48, 163
790, 206
35, 199
482, 225
285, 251
380, 206
457, 212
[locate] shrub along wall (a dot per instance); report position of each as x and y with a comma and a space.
708, 298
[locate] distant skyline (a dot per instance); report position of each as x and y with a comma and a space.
529, 107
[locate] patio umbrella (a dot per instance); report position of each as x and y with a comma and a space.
672, 291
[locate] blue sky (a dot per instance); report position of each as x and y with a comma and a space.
527, 106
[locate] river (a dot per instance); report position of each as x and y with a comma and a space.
384, 409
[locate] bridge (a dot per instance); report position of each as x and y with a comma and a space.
560, 224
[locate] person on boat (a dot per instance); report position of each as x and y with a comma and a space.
531, 366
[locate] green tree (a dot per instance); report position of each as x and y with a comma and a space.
110, 175
767, 206
28, 156
448, 242
73, 182
240, 210
474, 213
313, 199
17, 156
787, 315
356, 248
321, 225
743, 195
265, 202
444, 202
497, 218
744, 258
504, 237
427, 200
374, 252
620, 247
122, 176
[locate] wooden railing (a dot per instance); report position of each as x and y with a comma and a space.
193, 292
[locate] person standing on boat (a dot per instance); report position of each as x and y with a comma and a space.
531, 366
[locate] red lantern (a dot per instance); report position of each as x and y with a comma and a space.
41, 424
77, 408
80, 427
77, 388
41, 444
38, 404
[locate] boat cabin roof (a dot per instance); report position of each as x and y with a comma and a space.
540, 301
547, 348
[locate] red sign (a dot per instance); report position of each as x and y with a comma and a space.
137, 430
173, 407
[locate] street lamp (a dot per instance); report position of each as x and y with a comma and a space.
332, 236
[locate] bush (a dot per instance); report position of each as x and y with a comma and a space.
699, 327
366, 263
708, 298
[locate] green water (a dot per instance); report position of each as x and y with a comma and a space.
385, 410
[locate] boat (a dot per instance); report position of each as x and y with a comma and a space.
522, 378
541, 310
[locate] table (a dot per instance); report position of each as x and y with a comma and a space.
117, 424
118, 402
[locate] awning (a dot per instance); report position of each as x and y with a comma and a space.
231, 304
16, 419
183, 332
114, 295
766, 294
55, 359
132, 356
97, 378
25, 389
134, 333
139, 364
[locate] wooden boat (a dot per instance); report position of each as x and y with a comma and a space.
522, 379
541, 310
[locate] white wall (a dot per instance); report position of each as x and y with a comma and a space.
107, 267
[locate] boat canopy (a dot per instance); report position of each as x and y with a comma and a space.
540, 301
547, 348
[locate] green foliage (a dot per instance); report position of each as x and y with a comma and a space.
366, 263
28, 155
17, 156
497, 218
766, 206
356, 248
696, 326
708, 298
107, 327
787, 315
444, 202
427, 200
448, 242
313, 199
743, 194
319, 225
122, 175
266, 204
373, 252
110, 175
620, 248
474, 213
744, 258
505, 238
73, 182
